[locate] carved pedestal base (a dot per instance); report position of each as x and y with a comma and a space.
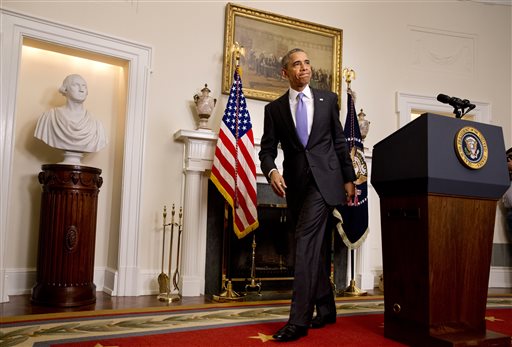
67, 233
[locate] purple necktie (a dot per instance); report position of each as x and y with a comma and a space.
301, 118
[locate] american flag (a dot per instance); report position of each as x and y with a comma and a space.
353, 225
234, 167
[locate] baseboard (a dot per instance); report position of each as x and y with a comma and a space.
3, 291
366, 281
110, 281
500, 277
21, 281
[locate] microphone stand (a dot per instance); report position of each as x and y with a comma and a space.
459, 110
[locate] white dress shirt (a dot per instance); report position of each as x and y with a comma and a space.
308, 100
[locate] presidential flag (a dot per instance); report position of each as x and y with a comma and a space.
353, 217
234, 166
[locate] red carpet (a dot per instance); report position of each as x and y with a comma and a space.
359, 323
359, 330
365, 330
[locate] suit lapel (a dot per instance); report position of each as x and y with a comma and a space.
319, 110
284, 109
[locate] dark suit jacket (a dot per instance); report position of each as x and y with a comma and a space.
326, 154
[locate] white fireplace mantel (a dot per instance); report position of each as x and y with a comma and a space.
199, 148
197, 162
198, 153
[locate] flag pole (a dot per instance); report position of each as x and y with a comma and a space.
228, 294
332, 262
352, 289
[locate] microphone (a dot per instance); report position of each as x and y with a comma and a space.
470, 107
456, 102
453, 101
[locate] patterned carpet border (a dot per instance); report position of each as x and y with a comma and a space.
80, 325
170, 308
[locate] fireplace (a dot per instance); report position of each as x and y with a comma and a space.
265, 257
203, 230
267, 253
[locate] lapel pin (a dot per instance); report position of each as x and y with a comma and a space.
321, 99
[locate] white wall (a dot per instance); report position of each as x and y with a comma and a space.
386, 43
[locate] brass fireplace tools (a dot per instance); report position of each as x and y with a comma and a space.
163, 279
166, 294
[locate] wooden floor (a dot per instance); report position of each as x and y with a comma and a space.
19, 305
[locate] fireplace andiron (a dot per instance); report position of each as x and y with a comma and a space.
253, 284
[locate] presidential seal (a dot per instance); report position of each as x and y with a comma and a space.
471, 148
359, 163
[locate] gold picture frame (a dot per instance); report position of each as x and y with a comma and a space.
265, 37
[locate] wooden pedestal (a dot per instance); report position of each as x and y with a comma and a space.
436, 260
438, 209
67, 232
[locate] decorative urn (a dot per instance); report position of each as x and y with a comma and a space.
364, 124
204, 106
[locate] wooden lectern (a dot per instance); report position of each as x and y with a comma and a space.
439, 179
67, 235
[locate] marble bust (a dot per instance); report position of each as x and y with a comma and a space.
71, 127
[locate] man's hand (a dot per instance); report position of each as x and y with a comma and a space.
277, 183
350, 190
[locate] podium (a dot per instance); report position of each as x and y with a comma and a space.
67, 235
438, 180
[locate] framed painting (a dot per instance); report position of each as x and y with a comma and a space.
265, 38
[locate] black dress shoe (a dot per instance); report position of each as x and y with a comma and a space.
290, 332
321, 321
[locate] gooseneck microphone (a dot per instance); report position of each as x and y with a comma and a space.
458, 104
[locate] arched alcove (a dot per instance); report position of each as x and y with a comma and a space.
19, 28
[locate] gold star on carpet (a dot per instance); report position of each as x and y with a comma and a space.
100, 345
262, 337
493, 319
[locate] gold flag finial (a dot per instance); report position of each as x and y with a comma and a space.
349, 75
238, 50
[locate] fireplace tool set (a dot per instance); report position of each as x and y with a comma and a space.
164, 279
